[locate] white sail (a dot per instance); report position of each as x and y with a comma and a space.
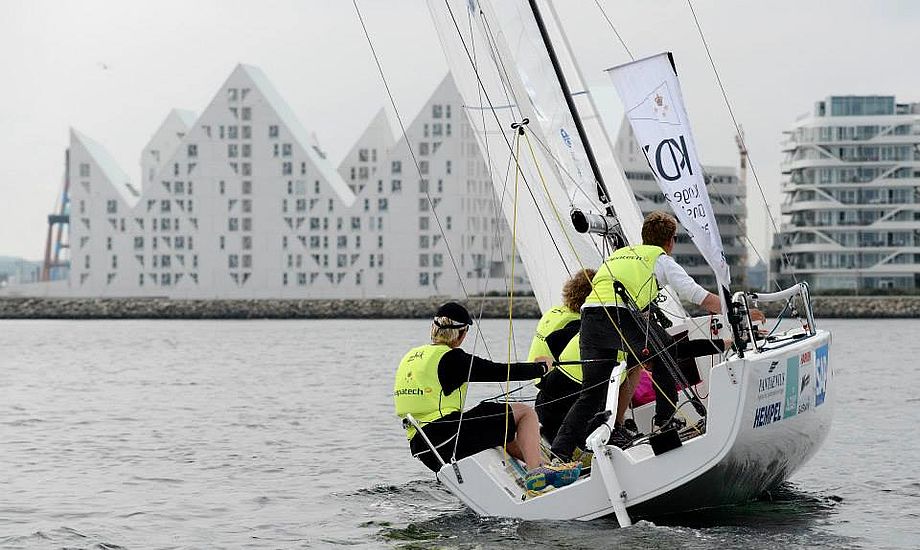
504, 72
495, 66
655, 108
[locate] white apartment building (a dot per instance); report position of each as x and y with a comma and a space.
727, 193
238, 202
851, 215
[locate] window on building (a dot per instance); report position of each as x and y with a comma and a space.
164, 205
247, 132
111, 206
286, 169
192, 150
355, 222
247, 224
272, 131
423, 241
423, 279
423, 260
286, 149
233, 261
382, 204
233, 132
246, 113
84, 170
233, 224
341, 241
138, 243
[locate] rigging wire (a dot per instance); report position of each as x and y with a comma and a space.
498, 121
614, 29
415, 161
740, 135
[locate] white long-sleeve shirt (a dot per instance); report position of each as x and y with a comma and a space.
669, 272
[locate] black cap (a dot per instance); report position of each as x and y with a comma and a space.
456, 313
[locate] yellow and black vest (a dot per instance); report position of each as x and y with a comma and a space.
553, 320
634, 266
418, 391
571, 353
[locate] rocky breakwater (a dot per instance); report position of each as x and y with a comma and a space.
863, 307
163, 308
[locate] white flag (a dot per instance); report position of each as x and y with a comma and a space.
655, 109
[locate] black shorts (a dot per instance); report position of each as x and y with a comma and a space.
483, 427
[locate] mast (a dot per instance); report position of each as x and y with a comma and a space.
602, 192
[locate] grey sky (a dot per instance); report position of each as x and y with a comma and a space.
114, 69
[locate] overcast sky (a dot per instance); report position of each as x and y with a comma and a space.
114, 68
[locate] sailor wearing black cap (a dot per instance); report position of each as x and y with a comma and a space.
431, 384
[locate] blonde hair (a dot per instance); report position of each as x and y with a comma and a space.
448, 336
658, 228
575, 291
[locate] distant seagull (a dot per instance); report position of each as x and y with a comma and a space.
103, 66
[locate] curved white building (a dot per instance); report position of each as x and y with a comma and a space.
852, 186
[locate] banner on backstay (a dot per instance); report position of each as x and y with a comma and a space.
654, 106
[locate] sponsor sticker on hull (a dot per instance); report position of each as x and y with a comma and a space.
792, 389
820, 375
785, 392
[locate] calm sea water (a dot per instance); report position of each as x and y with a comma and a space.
280, 434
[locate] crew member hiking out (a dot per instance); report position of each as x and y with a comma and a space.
609, 326
431, 385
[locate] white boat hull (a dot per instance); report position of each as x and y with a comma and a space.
767, 415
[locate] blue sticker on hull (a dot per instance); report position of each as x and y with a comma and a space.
820, 375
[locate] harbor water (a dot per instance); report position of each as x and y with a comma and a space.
281, 434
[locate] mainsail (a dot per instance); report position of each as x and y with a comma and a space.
655, 108
505, 75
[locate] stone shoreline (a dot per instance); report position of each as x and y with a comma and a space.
862, 307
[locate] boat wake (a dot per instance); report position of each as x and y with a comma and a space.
422, 514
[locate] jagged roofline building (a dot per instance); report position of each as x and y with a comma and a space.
852, 190
240, 202
728, 197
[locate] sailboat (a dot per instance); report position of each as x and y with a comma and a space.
766, 406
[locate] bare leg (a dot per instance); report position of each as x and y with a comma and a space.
627, 389
526, 444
